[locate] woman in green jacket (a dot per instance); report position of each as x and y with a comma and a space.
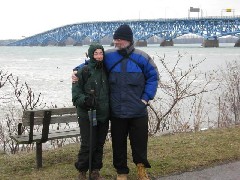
90, 93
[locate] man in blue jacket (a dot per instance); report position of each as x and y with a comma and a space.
133, 80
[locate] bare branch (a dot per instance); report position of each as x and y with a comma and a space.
180, 84
25, 96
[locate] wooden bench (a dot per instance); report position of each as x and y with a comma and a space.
46, 117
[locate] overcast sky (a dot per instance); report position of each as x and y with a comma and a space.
23, 18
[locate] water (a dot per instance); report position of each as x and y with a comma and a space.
48, 69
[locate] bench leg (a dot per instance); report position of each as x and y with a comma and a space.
39, 155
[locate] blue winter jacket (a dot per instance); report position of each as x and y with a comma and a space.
131, 79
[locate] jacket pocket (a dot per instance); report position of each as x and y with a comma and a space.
136, 83
136, 79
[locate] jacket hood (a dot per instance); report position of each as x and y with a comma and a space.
92, 48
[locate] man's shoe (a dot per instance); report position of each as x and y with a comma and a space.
122, 177
141, 171
82, 176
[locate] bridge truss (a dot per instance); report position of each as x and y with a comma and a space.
167, 29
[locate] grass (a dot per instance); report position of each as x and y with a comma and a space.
168, 154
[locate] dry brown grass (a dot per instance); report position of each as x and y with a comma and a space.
167, 154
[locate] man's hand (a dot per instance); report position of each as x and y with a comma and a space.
74, 77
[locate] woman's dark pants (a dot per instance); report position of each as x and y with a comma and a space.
99, 136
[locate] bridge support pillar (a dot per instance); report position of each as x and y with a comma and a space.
167, 43
141, 43
210, 43
78, 44
237, 44
34, 44
61, 44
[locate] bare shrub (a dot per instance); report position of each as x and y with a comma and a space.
4, 77
178, 89
229, 99
23, 98
10, 125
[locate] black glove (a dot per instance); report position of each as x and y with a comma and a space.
89, 102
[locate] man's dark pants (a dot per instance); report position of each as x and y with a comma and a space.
137, 129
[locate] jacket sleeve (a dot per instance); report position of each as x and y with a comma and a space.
152, 77
78, 95
81, 65
78, 67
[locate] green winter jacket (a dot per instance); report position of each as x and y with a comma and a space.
97, 80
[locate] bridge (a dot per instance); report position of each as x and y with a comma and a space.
209, 28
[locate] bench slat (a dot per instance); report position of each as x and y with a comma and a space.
55, 111
58, 115
54, 134
54, 119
